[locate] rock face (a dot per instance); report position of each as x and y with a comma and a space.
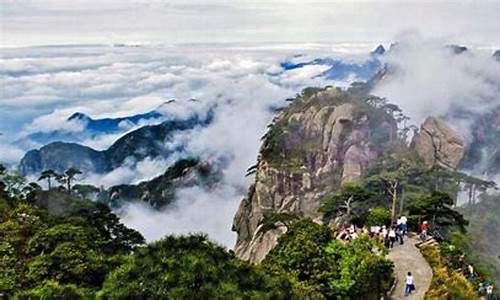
324, 138
438, 144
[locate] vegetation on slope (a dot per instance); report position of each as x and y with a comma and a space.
322, 267
482, 242
54, 245
446, 284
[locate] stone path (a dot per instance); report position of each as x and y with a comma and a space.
407, 258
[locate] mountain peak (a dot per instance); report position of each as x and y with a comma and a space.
79, 116
457, 49
380, 50
496, 55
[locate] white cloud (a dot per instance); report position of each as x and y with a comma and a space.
241, 83
180, 21
197, 210
10, 154
58, 120
430, 81
132, 172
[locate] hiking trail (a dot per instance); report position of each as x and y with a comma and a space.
407, 258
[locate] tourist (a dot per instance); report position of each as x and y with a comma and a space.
470, 270
424, 227
392, 237
404, 225
399, 234
410, 286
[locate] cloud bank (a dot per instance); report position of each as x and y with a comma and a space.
242, 85
428, 79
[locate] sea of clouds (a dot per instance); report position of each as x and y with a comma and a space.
42, 86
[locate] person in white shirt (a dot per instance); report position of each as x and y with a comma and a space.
409, 284
392, 237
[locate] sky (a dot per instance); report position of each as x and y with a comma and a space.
49, 22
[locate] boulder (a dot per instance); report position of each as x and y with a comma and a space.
438, 144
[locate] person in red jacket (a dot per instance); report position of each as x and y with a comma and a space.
424, 227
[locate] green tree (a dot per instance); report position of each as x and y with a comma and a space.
378, 216
45, 254
276, 220
363, 274
70, 176
301, 252
190, 267
53, 290
344, 201
115, 237
85, 191
48, 175
437, 208
393, 174
68, 254
322, 267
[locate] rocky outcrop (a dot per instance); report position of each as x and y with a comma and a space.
438, 144
324, 138
161, 191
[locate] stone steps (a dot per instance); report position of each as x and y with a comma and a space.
429, 242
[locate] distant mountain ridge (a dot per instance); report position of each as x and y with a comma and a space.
93, 127
341, 69
147, 141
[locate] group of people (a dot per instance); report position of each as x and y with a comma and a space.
388, 235
396, 232
350, 232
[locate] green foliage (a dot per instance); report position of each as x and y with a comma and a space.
190, 267
446, 284
40, 251
363, 275
346, 201
49, 175
301, 252
437, 208
53, 290
378, 216
85, 191
483, 231
322, 267
117, 238
276, 220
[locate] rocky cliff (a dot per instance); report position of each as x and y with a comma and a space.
438, 144
325, 137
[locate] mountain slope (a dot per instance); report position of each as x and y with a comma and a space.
160, 191
147, 141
